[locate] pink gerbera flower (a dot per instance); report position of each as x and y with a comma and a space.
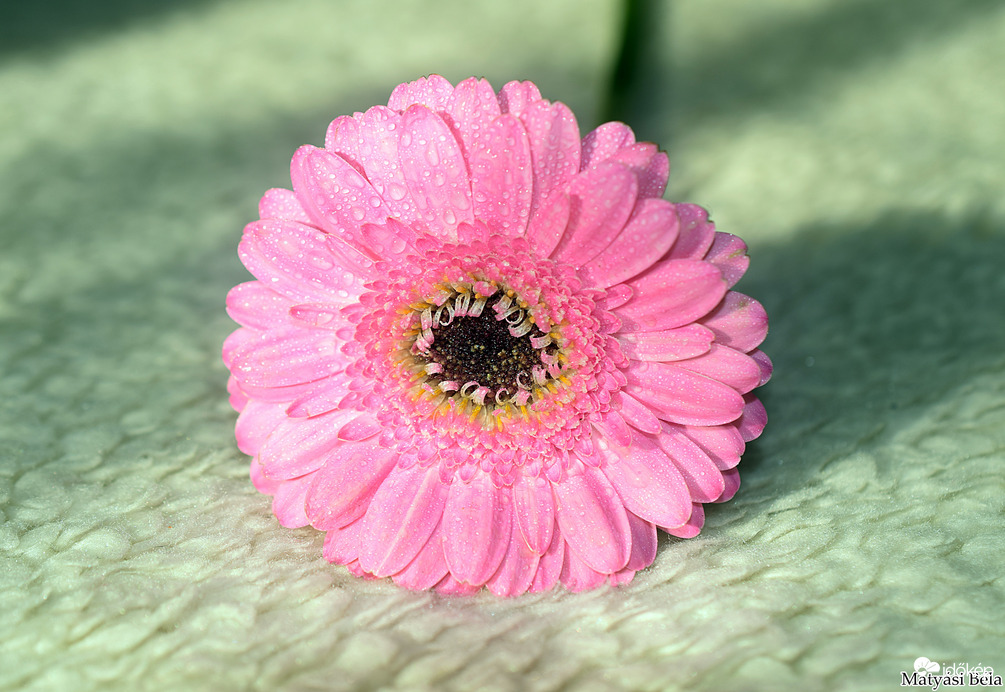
483, 351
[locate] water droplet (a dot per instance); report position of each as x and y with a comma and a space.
396, 191
358, 214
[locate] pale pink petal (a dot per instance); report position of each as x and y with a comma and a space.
672, 294
753, 420
647, 236
731, 479
320, 397
549, 567
264, 485
621, 577
238, 399
616, 296
300, 445
296, 261
288, 503
740, 322
321, 315
729, 254
275, 394
602, 200
681, 396
721, 363
577, 574
476, 528
637, 414
287, 356
393, 239
343, 138
334, 194
256, 422
555, 148
278, 203
612, 427
501, 176
644, 543
722, 443
704, 481
534, 509
648, 482
428, 568
693, 525
380, 131
696, 233
668, 344
400, 519
548, 225
433, 92
604, 142
517, 97
435, 172
651, 166
359, 429
253, 304
518, 568
341, 545
344, 485
593, 521
449, 586
470, 109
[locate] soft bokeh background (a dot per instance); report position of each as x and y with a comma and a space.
857, 145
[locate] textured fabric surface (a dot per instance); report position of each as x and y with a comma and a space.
856, 146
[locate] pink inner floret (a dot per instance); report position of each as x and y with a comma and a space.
480, 350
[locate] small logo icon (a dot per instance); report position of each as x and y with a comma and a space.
923, 665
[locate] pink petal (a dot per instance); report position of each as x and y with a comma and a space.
693, 525
300, 445
648, 482
549, 568
721, 363
392, 239
278, 203
644, 543
517, 97
649, 233
264, 485
602, 200
433, 92
546, 227
380, 130
731, 479
555, 148
321, 315
435, 172
637, 414
672, 294
343, 487
401, 517
605, 142
287, 356
320, 397
449, 586
252, 304
723, 443
696, 233
334, 194
477, 523
275, 395
360, 428
753, 420
428, 568
577, 575
501, 176
592, 519
255, 424
764, 363
613, 428
740, 322
471, 109
288, 503
704, 481
534, 509
729, 254
343, 138
341, 545
668, 344
238, 399
296, 261
681, 396
518, 568
651, 166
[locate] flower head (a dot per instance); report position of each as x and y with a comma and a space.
480, 350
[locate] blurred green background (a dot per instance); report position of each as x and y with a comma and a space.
856, 145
